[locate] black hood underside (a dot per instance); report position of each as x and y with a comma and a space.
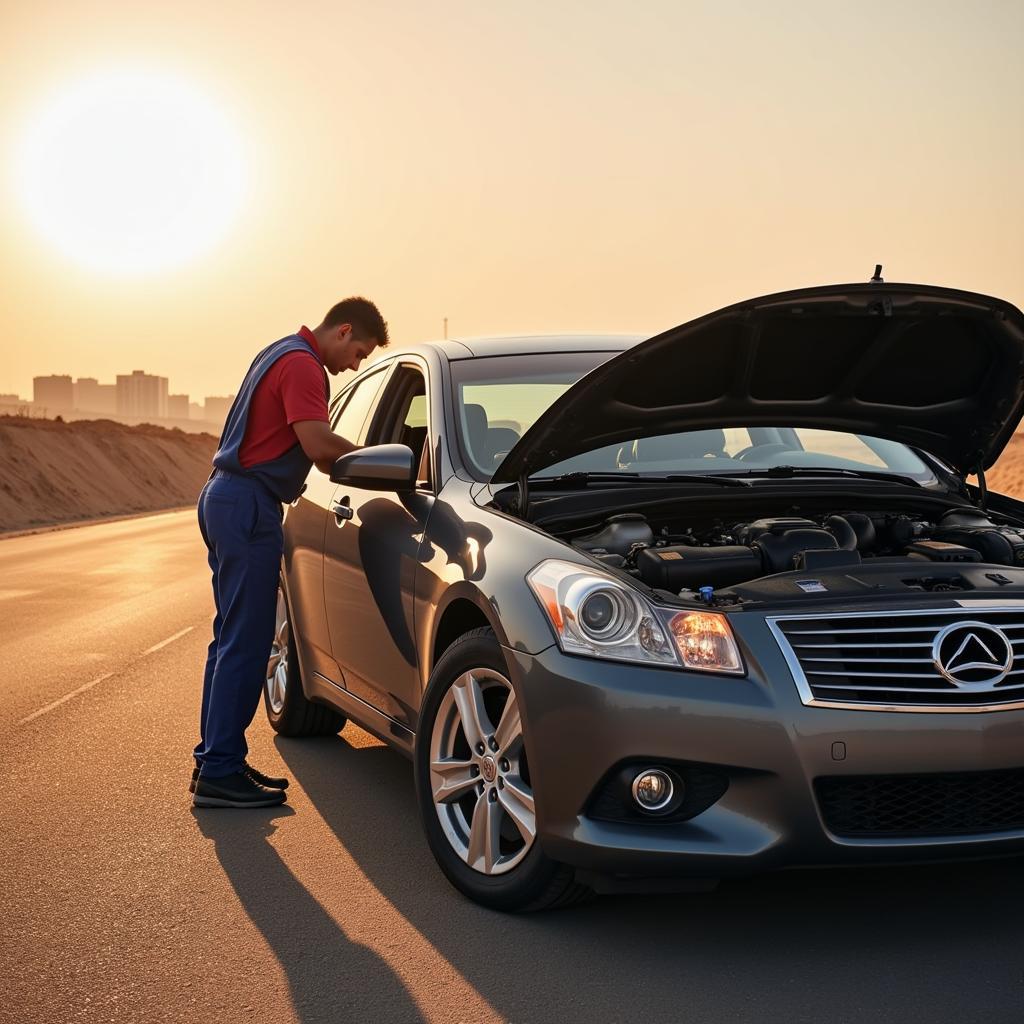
938, 369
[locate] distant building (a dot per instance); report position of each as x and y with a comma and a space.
12, 405
92, 396
216, 409
141, 395
55, 394
177, 407
195, 411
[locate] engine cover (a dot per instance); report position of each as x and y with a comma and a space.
684, 567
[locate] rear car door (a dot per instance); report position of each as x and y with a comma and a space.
371, 559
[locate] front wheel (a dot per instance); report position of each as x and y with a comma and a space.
474, 787
288, 711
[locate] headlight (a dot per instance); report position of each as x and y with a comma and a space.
596, 615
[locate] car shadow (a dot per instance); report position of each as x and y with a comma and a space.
934, 943
329, 976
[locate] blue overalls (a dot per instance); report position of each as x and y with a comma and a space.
240, 516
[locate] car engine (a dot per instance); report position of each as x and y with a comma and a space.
722, 554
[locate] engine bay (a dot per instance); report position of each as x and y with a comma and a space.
937, 553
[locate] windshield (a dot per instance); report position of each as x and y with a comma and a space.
498, 398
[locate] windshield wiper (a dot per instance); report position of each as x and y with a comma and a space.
582, 479
721, 481
865, 474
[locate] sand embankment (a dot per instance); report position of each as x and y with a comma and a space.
1007, 475
53, 472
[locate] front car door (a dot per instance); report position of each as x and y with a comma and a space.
309, 518
371, 559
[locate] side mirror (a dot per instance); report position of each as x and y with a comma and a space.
381, 467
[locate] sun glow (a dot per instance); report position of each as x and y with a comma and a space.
131, 171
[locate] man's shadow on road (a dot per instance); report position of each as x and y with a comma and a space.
331, 978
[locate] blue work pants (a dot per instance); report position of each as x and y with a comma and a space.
241, 524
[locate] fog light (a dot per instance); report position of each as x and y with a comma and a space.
652, 789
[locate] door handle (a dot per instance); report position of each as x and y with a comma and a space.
342, 511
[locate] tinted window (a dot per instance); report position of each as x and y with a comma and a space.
355, 405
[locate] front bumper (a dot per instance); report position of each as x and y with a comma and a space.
584, 716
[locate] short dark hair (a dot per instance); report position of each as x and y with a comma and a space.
364, 317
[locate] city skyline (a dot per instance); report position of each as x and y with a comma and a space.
133, 395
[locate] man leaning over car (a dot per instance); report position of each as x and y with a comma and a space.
276, 430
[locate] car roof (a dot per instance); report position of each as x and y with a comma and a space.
518, 344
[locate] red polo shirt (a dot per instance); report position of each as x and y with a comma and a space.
291, 390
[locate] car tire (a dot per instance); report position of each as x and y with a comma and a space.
520, 877
288, 710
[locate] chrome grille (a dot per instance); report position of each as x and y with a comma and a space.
886, 660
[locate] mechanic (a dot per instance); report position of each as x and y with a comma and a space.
276, 430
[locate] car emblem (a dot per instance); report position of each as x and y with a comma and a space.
972, 655
488, 768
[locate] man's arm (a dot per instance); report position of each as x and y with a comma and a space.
304, 395
321, 444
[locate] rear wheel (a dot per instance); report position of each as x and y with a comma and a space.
474, 786
288, 711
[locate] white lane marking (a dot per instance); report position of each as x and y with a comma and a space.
67, 696
169, 640
99, 679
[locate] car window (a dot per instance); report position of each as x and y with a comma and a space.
416, 415
498, 398
832, 442
513, 406
733, 450
354, 407
414, 431
736, 439
402, 416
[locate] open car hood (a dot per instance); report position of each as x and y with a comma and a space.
935, 368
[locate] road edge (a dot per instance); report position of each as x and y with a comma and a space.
114, 518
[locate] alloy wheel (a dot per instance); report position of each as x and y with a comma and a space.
479, 776
277, 667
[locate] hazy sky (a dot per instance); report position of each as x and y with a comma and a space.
526, 166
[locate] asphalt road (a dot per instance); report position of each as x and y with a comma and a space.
118, 902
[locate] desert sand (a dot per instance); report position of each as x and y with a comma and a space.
1007, 475
53, 472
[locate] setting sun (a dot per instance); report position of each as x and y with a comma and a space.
130, 171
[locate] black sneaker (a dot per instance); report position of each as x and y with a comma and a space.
235, 790
257, 776
270, 781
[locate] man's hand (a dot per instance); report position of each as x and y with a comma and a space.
321, 444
